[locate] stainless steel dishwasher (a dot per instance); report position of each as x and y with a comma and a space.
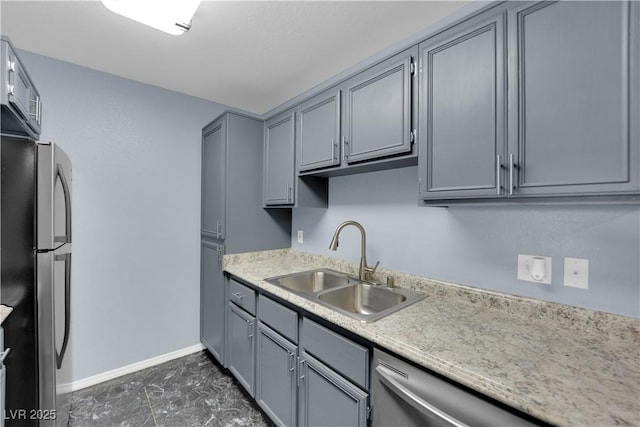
404, 395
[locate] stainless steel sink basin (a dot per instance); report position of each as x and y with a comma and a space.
368, 302
354, 298
311, 281
362, 298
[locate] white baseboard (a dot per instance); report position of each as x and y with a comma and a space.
138, 366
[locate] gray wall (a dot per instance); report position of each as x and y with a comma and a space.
136, 191
479, 246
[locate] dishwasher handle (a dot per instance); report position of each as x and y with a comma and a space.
411, 398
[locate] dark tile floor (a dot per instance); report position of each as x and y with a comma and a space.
190, 391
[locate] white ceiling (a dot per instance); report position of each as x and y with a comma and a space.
252, 55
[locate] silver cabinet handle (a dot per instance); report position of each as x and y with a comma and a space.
238, 295
12, 65
498, 175
511, 167
347, 151
219, 251
292, 363
12, 89
218, 229
289, 199
4, 355
333, 149
301, 363
250, 324
411, 398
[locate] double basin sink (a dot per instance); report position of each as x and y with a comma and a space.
350, 296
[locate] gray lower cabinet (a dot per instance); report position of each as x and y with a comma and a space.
279, 158
326, 398
212, 299
378, 119
574, 84
318, 132
276, 374
241, 339
305, 373
462, 110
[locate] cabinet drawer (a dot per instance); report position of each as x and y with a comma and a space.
345, 356
242, 296
279, 317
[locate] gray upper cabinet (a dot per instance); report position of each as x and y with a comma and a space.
462, 110
214, 179
279, 158
573, 105
378, 115
232, 208
566, 129
318, 132
212, 300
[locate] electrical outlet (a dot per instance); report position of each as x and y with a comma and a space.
576, 273
300, 236
532, 268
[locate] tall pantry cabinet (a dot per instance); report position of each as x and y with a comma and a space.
232, 217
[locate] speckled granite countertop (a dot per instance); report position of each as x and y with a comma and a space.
4, 312
562, 364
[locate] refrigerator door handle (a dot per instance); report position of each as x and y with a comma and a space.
67, 301
67, 205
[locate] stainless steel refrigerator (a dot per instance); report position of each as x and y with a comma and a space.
35, 280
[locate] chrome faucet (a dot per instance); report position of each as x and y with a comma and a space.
365, 271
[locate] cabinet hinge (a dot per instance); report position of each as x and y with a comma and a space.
369, 412
413, 136
412, 68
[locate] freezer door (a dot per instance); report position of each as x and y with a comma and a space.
54, 197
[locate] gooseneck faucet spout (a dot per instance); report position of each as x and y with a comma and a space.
365, 272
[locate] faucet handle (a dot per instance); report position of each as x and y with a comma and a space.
371, 271
375, 267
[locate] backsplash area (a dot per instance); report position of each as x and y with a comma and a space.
479, 245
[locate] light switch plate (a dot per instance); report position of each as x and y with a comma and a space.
576, 273
534, 265
300, 236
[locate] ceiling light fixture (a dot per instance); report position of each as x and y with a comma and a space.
170, 16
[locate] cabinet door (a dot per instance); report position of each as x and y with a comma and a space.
279, 160
327, 399
241, 340
318, 132
212, 300
378, 111
573, 106
276, 376
462, 99
214, 179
